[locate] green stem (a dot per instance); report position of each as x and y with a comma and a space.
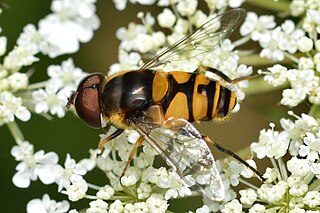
92, 186
274, 164
248, 184
292, 57
16, 132
258, 85
241, 41
308, 178
122, 198
37, 85
91, 197
315, 111
275, 5
283, 169
315, 186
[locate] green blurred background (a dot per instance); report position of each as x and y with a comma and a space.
69, 135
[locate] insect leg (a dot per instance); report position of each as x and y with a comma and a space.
133, 151
109, 138
232, 154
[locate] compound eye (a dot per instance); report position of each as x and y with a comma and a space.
87, 101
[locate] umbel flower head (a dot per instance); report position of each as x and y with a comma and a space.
287, 54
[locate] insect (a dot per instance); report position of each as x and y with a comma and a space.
160, 105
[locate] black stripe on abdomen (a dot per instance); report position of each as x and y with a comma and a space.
223, 102
174, 87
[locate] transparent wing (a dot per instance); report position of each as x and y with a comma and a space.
201, 40
183, 149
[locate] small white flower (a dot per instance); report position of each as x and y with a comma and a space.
126, 61
33, 165
292, 97
311, 149
181, 27
234, 206
166, 18
129, 207
248, 196
176, 187
144, 190
311, 22
297, 186
273, 193
256, 26
312, 199
3, 45
18, 81
143, 43
157, 176
131, 177
203, 209
75, 18
77, 188
223, 58
120, 4
232, 172
235, 3
297, 130
276, 76
20, 56
198, 18
247, 172
158, 39
296, 202
129, 35
299, 167
271, 144
187, 7
97, 206
105, 192
116, 206
305, 44
270, 44
307, 63
297, 7
10, 107
32, 39
315, 169
290, 37
66, 74
271, 175
257, 208
156, 203
71, 170
46, 205
50, 100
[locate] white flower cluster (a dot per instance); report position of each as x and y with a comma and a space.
77, 20
289, 187
297, 43
142, 188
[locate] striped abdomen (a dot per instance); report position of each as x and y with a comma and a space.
181, 95
191, 96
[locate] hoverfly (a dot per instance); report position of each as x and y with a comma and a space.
160, 105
